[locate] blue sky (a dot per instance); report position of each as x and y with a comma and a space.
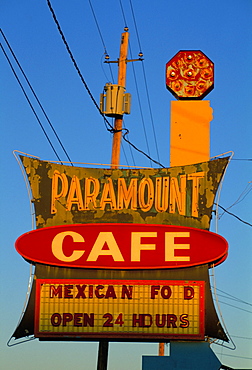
222, 30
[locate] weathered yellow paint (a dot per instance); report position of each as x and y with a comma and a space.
190, 132
169, 196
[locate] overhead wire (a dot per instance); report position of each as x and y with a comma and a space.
112, 77
123, 14
101, 37
233, 297
220, 313
30, 104
131, 153
125, 23
73, 60
139, 150
232, 214
35, 95
125, 156
238, 308
111, 129
241, 197
103, 69
230, 156
145, 80
140, 105
137, 90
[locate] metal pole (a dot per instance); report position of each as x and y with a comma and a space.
122, 65
103, 355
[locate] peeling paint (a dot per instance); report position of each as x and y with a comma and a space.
41, 173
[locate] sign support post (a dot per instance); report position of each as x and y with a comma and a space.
103, 355
161, 349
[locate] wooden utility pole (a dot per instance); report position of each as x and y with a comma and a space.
122, 65
115, 160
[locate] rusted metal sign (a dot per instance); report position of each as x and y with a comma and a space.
181, 195
157, 210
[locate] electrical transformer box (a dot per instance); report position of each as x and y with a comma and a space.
114, 101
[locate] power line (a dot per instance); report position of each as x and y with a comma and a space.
150, 110
241, 197
145, 81
125, 156
73, 59
238, 308
102, 39
30, 104
107, 57
137, 90
232, 214
111, 129
131, 151
124, 137
140, 106
123, 14
235, 298
36, 97
134, 19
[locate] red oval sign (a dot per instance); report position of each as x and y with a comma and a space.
122, 246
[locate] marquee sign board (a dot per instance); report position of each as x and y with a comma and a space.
120, 309
122, 246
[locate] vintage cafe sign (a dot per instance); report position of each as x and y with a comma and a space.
122, 246
141, 234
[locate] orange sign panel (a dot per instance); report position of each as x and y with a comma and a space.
117, 309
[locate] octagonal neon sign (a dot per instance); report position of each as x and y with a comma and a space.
190, 75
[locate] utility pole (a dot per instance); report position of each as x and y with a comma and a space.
122, 65
115, 160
